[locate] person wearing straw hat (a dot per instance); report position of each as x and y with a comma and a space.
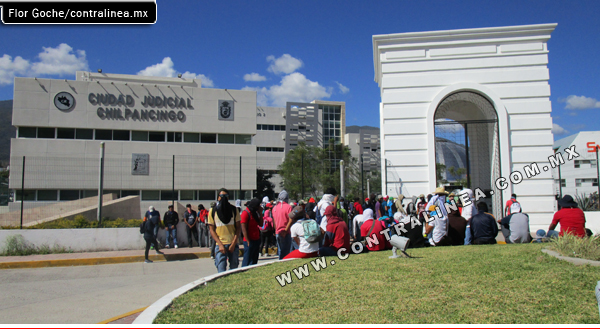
570, 217
438, 226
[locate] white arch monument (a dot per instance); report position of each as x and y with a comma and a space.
492, 76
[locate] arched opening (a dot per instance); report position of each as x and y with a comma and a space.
467, 150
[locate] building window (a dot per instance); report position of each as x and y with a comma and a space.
187, 195
139, 135
125, 193
121, 135
28, 195
226, 138
168, 195
84, 134
258, 127
150, 195
47, 133
69, 195
47, 195
174, 137
243, 139
27, 132
62, 133
207, 195
191, 137
89, 193
209, 138
156, 136
103, 134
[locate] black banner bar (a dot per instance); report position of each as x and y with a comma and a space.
81, 12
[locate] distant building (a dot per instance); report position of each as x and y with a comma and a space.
270, 140
364, 142
580, 175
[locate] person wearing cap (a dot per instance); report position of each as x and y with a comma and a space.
570, 217
266, 230
281, 218
171, 219
152, 220
305, 249
224, 223
190, 217
251, 222
438, 226
515, 227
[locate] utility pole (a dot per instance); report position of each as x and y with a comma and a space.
100, 184
342, 190
302, 175
22, 190
362, 180
368, 187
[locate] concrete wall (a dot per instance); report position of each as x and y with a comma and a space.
507, 65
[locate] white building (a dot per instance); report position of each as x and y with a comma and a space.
579, 176
155, 130
490, 85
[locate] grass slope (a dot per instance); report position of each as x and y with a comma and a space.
491, 284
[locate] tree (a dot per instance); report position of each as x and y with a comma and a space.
291, 171
264, 187
439, 174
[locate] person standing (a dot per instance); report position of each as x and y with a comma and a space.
151, 221
281, 218
202, 228
224, 223
509, 203
266, 230
190, 217
211, 240
171, 219
251, 220
438, 226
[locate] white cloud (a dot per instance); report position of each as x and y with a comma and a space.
343, 88
285, 64
581, 102
293, 87
254, 77
60, 61
9, 68
558, 130
166, 68
572, 114
53, 61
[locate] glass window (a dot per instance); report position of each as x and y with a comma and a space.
283, 128
191, 137
277, 128
207, 195
167, 195
46, 132
62, 133
210, 138
226, 138
47, 195
178, 137
156, 136
271, 127
186, 195
170, 137
594, 182
243, 139
84, 134
89, 193
268, 149
69, 195
121, 135
139, 135
125, 193
103, 134
258, 127
338, 117
576, 162
29, 195
27, 132
150, 195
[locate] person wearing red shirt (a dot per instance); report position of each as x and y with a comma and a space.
570, 217
358, 207
251, 220
336, 236
382, 243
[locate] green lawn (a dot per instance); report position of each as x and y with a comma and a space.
490, 284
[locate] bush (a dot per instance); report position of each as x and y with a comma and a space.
81, 222
572, 246
16, 245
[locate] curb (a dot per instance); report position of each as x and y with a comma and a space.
574, 260
151, 312
102, 260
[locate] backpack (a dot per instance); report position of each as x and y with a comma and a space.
267, 223
318, 217
312, 231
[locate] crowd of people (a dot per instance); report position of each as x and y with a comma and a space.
321, 227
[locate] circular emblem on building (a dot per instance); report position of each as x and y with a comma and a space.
225, 109
64, 101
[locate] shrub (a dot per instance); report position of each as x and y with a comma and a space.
81, 222
573, 246
16, 245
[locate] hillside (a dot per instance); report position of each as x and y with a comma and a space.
7, 131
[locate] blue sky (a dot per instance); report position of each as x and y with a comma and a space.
304, 50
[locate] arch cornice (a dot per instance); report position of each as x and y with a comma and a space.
503, 130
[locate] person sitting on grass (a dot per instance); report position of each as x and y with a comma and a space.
336, 236
484, 228
515, 226
305, 249
570, 217
372, 227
